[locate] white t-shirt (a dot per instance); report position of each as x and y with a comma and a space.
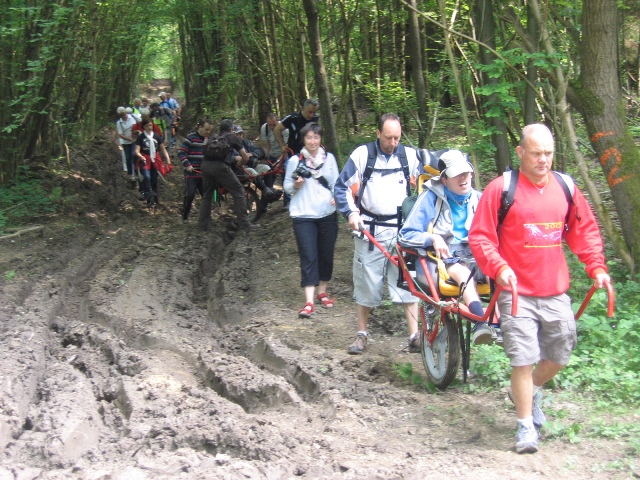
125, 128
267, 135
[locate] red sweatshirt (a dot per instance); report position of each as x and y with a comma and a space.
530, 241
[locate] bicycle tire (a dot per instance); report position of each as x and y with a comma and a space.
440, 345
253, 204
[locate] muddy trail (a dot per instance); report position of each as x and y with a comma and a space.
134, 346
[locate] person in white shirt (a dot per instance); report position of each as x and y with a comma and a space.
309, 179
375, 208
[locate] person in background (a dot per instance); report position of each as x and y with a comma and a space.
309, 180
272, 148
148, 148
191, 154
376, 208
255, 169
168, 116
124, 127
219, 172
137, 106
527, 248
294, 124
158, 117
173, 104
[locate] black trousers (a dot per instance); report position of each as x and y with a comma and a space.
192, 186
316, 238
219, 173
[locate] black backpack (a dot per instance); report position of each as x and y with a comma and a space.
217, 148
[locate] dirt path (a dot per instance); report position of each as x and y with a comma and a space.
136, 347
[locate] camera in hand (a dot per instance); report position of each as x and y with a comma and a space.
301, 171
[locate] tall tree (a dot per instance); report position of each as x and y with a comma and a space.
415, 49
330, 137
486, 32
598, 97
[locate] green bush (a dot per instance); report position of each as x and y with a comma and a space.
607, 358
25, 199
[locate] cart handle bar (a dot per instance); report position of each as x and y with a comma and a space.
611, 299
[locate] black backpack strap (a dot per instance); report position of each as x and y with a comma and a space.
568, 187
372, 155
402, 156
510, 178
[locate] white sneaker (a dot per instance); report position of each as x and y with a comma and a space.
526, 439
539, 417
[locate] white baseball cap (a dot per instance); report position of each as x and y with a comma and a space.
454, 163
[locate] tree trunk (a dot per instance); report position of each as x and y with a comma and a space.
456, 78
415, 49
530, 106
330, 138
602, 107
486, 35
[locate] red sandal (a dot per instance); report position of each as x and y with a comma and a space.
307, 311
326, 301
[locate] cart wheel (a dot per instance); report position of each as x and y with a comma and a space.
440, 345
253, 204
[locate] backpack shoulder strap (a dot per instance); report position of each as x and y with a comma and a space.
568, 187
372, 155
402, 156
510, 179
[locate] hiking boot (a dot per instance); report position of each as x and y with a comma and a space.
415, 343
268, 193
539, 418
526, 439
482, 334
359, 345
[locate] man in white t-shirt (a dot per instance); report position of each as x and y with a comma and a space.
395, 169
268, 138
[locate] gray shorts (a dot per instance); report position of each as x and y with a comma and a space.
545, 329
369, 271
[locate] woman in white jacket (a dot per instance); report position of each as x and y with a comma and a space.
309, 179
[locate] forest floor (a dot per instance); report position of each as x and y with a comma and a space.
137, 347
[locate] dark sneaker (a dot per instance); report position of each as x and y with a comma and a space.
539, 418
359, 345
415, 344
526, 439
482, 334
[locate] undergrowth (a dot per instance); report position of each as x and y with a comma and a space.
25, 199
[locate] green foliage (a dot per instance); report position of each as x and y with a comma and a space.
25, 199
391, 96
490, 366
405, 372
606, 360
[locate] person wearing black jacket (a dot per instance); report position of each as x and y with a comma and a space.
220, 173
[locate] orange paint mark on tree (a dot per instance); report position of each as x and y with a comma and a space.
603, 161
597, 136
